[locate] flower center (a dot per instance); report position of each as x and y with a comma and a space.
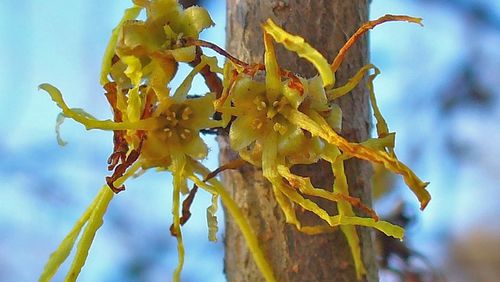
178, 118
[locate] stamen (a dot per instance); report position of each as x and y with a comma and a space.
186, 113
261, 105
258, 124
278, 127
168, 131
185, 133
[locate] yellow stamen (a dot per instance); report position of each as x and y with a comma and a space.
186, 113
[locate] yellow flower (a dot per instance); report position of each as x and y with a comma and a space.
152, 127
156, 38
288, 120
181, 134
276, 123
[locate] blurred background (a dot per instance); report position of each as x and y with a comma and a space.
438, 89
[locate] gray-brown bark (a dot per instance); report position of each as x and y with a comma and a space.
326, 25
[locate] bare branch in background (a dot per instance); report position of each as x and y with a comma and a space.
189, 3
479, 13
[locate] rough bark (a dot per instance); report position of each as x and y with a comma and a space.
326, 24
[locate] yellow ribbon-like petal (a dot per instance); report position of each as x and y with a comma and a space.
214, 186
61, 254
198, 18
91, 123
130, 14
317, 126
178, 167
340, 186
298, 45
273, 78
213, 225
350, 85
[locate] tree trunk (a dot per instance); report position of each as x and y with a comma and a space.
294, 256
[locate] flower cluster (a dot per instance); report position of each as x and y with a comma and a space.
273, 123
294, 120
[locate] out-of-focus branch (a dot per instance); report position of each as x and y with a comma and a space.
478, 12
188, 3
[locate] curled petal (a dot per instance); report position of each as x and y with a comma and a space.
212, 219
293, 95
382, 128
334, 117
64, 249
212, 63
93, 218
59, 122
60, 119
386, 227
305, 187
130, 13
198, 18
134, 105
340, 186
319, 127
298, 45
178, 168
316, 94
381, 143
133, 70
140, 38
214, 186
354, 244
350, 85
90, 122
94, 223
273, 78
183, 54
164, 9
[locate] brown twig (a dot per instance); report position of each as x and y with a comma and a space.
186, 206
203, 43
234, 164
250, 69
